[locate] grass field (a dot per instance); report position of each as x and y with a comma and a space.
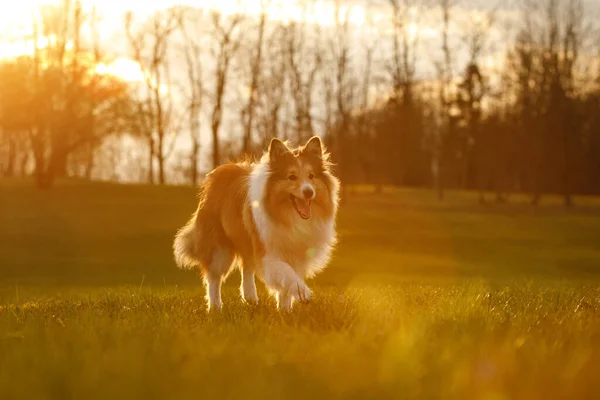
422, 300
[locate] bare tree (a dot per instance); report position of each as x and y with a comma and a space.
98, 119
226, 34
142, 115
304, 61
548, 52
564, 91
149, 47
344, 84
365, 124
273, 83
255, 58
405, 48
446, 96
64, 91
402, 146
475, 36
191, 27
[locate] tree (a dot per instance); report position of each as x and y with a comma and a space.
255, 58
472, 90
446, 95
149, 48
403, 142
191, 27
15, 121
344, 87
273, 83
547, 53
64, 92
304, 61
365, 124
227, 39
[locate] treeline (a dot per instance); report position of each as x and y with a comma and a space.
224, 84
536, 129
54, 108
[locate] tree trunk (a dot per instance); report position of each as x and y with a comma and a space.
439, 176
194, 162
568, 198
37, 147
89, 167
57, 167
536, 170
536, 194
9, 171
274, 123
58, 163
151, 161
160, 157
23, 162
216, 157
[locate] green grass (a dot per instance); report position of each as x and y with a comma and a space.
422, 300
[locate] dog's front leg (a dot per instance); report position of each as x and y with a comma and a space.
281, 277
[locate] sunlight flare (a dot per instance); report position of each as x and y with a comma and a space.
123, 68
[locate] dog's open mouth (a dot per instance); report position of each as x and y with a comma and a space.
302, 207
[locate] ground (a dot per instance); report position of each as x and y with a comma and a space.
422, 300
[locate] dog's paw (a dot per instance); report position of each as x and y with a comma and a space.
301, 292
250, 298
284, 301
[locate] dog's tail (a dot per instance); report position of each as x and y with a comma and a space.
184, 246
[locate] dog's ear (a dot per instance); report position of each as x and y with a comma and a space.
314, 147
277, 149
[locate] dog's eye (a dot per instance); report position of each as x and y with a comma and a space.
311, 176
292, 177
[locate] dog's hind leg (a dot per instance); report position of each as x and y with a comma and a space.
213, 291
218, 268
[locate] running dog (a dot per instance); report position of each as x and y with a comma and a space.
274, 219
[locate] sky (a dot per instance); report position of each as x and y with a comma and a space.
15, 21
15, 16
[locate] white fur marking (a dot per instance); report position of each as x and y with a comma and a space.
258, 183
213, 291
281, 277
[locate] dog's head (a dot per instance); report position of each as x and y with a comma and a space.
300, 180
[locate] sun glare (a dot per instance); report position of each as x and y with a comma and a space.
123, 68
413, 31
16, 26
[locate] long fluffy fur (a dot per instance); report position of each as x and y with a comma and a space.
183, 246
249, 212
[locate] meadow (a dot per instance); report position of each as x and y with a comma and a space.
423, 299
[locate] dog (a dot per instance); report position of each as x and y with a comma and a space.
274, 218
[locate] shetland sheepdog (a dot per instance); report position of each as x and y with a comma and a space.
274, 219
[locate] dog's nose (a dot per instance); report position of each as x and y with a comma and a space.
308, 192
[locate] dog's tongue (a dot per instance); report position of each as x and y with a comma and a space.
303, 207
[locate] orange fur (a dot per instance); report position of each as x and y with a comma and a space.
265, 232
